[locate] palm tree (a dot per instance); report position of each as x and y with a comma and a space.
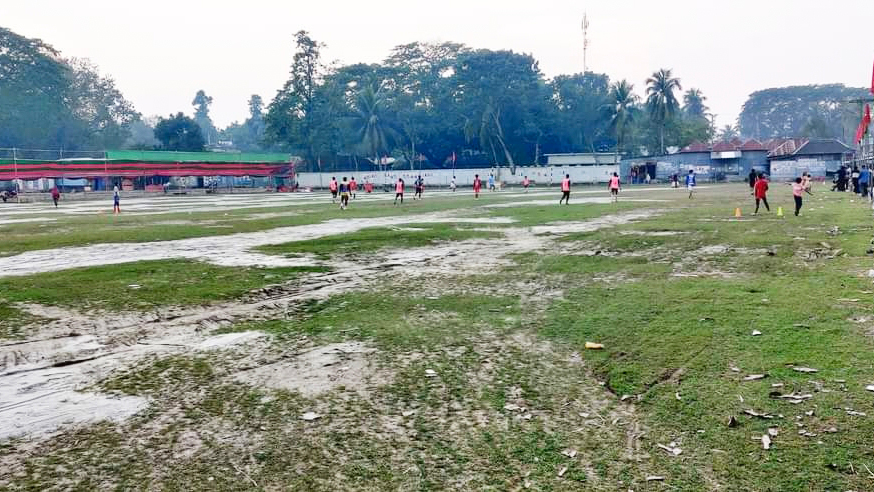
693, 104
660, 101
728, 133
620, 102
369, 116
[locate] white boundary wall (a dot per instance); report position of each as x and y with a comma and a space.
539, 175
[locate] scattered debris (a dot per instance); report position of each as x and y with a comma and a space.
804, 433
766, 442
777, 385
430, 373
584, 415
855, 413
734, 369
570, 453
870, 387
562, 471
512, 407
755, 377
754, 413
832, 430
849, 300
756, 333
773, 431
677, 396
671, 449
741, 398
804, 369
594, 346
624, 397
802, 325
809, 413
310, 416
408, 413
793, 396
732, 422
133, 286
655, 478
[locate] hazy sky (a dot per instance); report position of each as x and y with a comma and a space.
161, 52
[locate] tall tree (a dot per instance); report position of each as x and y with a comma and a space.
728, 133
201, 104
785, 111
496, 90
293, 119
620, 108
179, 132
693, 104
373, 129
48, 102
579, 99
661, 101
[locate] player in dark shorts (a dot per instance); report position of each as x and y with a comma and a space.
344, 194
399, 191
420, 186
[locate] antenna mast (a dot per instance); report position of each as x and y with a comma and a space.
585, 42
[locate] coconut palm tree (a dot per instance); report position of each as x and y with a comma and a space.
661, 101
620, 103
728, 133
369, 117
693, 104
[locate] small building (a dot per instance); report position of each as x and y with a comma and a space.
820, 157
729, 161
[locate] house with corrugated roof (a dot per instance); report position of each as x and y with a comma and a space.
820, 157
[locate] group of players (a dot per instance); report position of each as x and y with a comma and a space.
344, 190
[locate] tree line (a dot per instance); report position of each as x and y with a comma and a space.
425, 105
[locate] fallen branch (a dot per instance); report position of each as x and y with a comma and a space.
244, 474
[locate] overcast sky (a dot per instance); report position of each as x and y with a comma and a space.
161, 52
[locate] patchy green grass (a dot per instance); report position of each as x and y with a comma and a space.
374, 239
128, 228
161, 283
544, 214
12, 320
513, 386
395, 320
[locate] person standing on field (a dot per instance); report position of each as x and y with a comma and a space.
526, 183
797, 191
452, 184
420, 186
752, 178
690, 182
353, 187
477, 186
566, 190
760, 190
344, 194
491, 182
615, 186
56, 195
333, 187
864, 179
116, 199
399, 191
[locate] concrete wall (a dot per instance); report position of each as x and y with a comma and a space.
818, 167
539, 175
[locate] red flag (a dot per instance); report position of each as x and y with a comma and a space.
859, 132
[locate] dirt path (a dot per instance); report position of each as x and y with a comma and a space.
39, 378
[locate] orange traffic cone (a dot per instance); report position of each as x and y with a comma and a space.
737, 212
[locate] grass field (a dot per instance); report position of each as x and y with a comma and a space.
447, 349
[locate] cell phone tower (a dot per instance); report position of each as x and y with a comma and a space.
585, 42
